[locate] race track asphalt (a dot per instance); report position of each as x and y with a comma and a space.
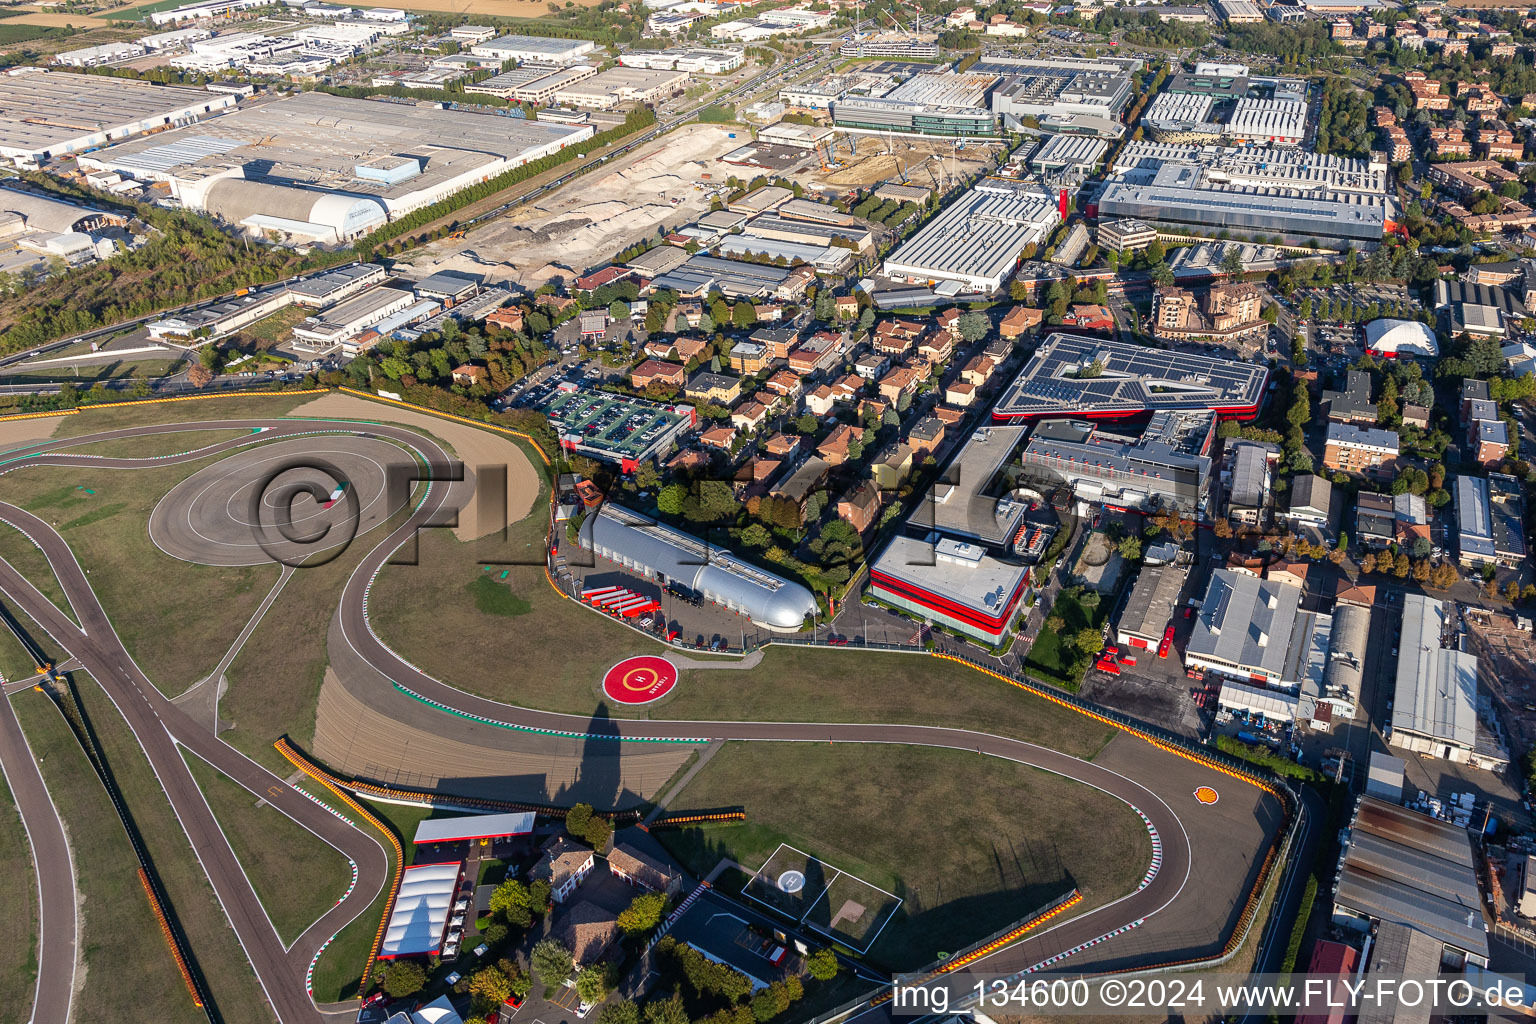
1165, 896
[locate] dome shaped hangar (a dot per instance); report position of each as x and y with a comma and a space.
325, 216
657, 551
1394, 338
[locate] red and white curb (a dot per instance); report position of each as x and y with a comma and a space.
1157, 850
309, 972
321, 803
1086, 945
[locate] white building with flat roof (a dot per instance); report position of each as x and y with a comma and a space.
978, 239
534, 48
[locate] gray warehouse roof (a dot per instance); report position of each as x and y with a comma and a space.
644, 544
1436, 694
1246, 622
1150, 604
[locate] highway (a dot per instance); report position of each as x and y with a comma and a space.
1166, 893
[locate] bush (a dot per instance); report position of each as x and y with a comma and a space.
552, 962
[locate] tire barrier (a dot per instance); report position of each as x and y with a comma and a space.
170, 939
61, 692
679, 820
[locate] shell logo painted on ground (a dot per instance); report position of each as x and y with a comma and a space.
1207, 795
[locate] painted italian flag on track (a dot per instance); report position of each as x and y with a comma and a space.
341, 489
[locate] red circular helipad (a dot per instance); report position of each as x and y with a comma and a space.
640, 680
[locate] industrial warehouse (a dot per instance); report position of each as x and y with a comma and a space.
673, 558
1290, 194
44, 114
326, 168
1093, 378
976, 242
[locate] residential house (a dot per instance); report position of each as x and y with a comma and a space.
896, 337
777, 341
860, 506
508, 318
847, 307
749, 357
835, 446
1416, 416
948, 322
926, 435
977, 371
819, 353
469, 375
782, 445
719, 388
960, 392
642, 869
1361, 450
948, 415
891, 466
820, 401
848, 388
937, 347
1353, 404
902, 380
719, 437
564, 865
1411, 513
1289, 571
1311, 502
1021, 320
806, 480
587, 930
654, 371
1089, 317
872, 365
1375, 519
749, 416
768, 313
785, 383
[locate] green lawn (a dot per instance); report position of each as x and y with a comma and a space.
275, 850
18, 911
496, 597
791, 684
1052, 657
214, 944
85, 373
910, 820
152, 446
94, 420
119, 937
176, 628
275, 328
28, 559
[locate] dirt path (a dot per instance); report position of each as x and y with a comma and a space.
15, 433
474, 447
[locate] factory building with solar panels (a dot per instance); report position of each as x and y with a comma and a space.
672, 558
1290, 194
1092, 378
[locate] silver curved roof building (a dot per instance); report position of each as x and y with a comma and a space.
659, 552
238, 200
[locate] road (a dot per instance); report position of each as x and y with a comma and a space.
56, 884
159, 726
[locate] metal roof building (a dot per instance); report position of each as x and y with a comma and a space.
1408, 869
1246, 627
533, 48
46, 114
1094, 377
1167, 467
659, 552
1435, 709
474, 826
1150, 605
1063, 153
978, 239
420, 915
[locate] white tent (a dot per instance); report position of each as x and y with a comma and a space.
421, 910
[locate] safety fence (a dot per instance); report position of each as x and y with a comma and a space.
61, 691
680, 820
